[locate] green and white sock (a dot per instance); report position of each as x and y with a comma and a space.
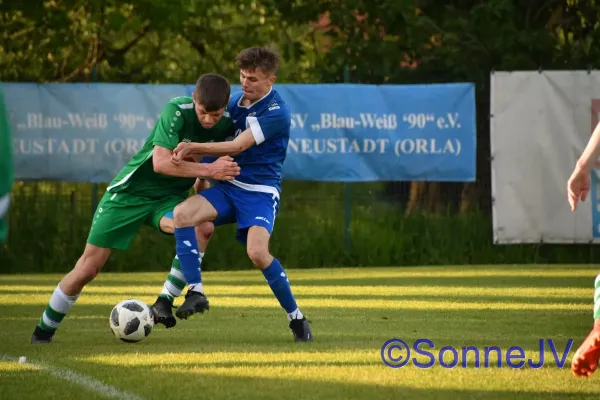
56, 310
597, 298
175, 283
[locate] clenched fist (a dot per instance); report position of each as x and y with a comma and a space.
180, 152
224, 169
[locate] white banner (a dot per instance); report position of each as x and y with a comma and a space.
540, 123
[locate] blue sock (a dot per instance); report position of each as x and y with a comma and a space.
280, 286
186, 246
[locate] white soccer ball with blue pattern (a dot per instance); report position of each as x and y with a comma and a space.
131, 320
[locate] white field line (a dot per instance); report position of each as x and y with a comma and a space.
78, 379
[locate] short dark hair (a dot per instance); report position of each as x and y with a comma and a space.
258, 57
212, 91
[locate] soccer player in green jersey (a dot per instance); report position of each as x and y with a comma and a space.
6, 168
148, 188
587, 357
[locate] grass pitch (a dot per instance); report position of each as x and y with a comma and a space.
242, 347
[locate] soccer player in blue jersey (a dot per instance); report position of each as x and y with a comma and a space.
262, 129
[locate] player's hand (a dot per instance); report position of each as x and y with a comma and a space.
180, 152
200, 185
224, 169
578, 186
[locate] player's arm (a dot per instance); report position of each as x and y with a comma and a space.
579, 183
243, 141
262, 128
588, 158
161, 161
166, 136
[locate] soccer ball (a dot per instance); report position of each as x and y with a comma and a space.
131, 320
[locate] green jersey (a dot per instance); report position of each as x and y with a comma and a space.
6, 167
178, 123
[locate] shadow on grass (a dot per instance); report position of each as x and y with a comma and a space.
503, 281
458, 298
336, 329
166, 385
495, 281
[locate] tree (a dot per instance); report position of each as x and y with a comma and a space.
422, 41
147, 41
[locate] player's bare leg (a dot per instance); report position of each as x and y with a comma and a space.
586, 358
175, 282
66, 293
258, 251
86, 269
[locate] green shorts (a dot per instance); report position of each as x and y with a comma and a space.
119, 216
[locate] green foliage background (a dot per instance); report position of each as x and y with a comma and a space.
377, 41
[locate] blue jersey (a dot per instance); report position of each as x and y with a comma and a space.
270, 120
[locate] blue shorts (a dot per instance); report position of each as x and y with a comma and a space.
248, 207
